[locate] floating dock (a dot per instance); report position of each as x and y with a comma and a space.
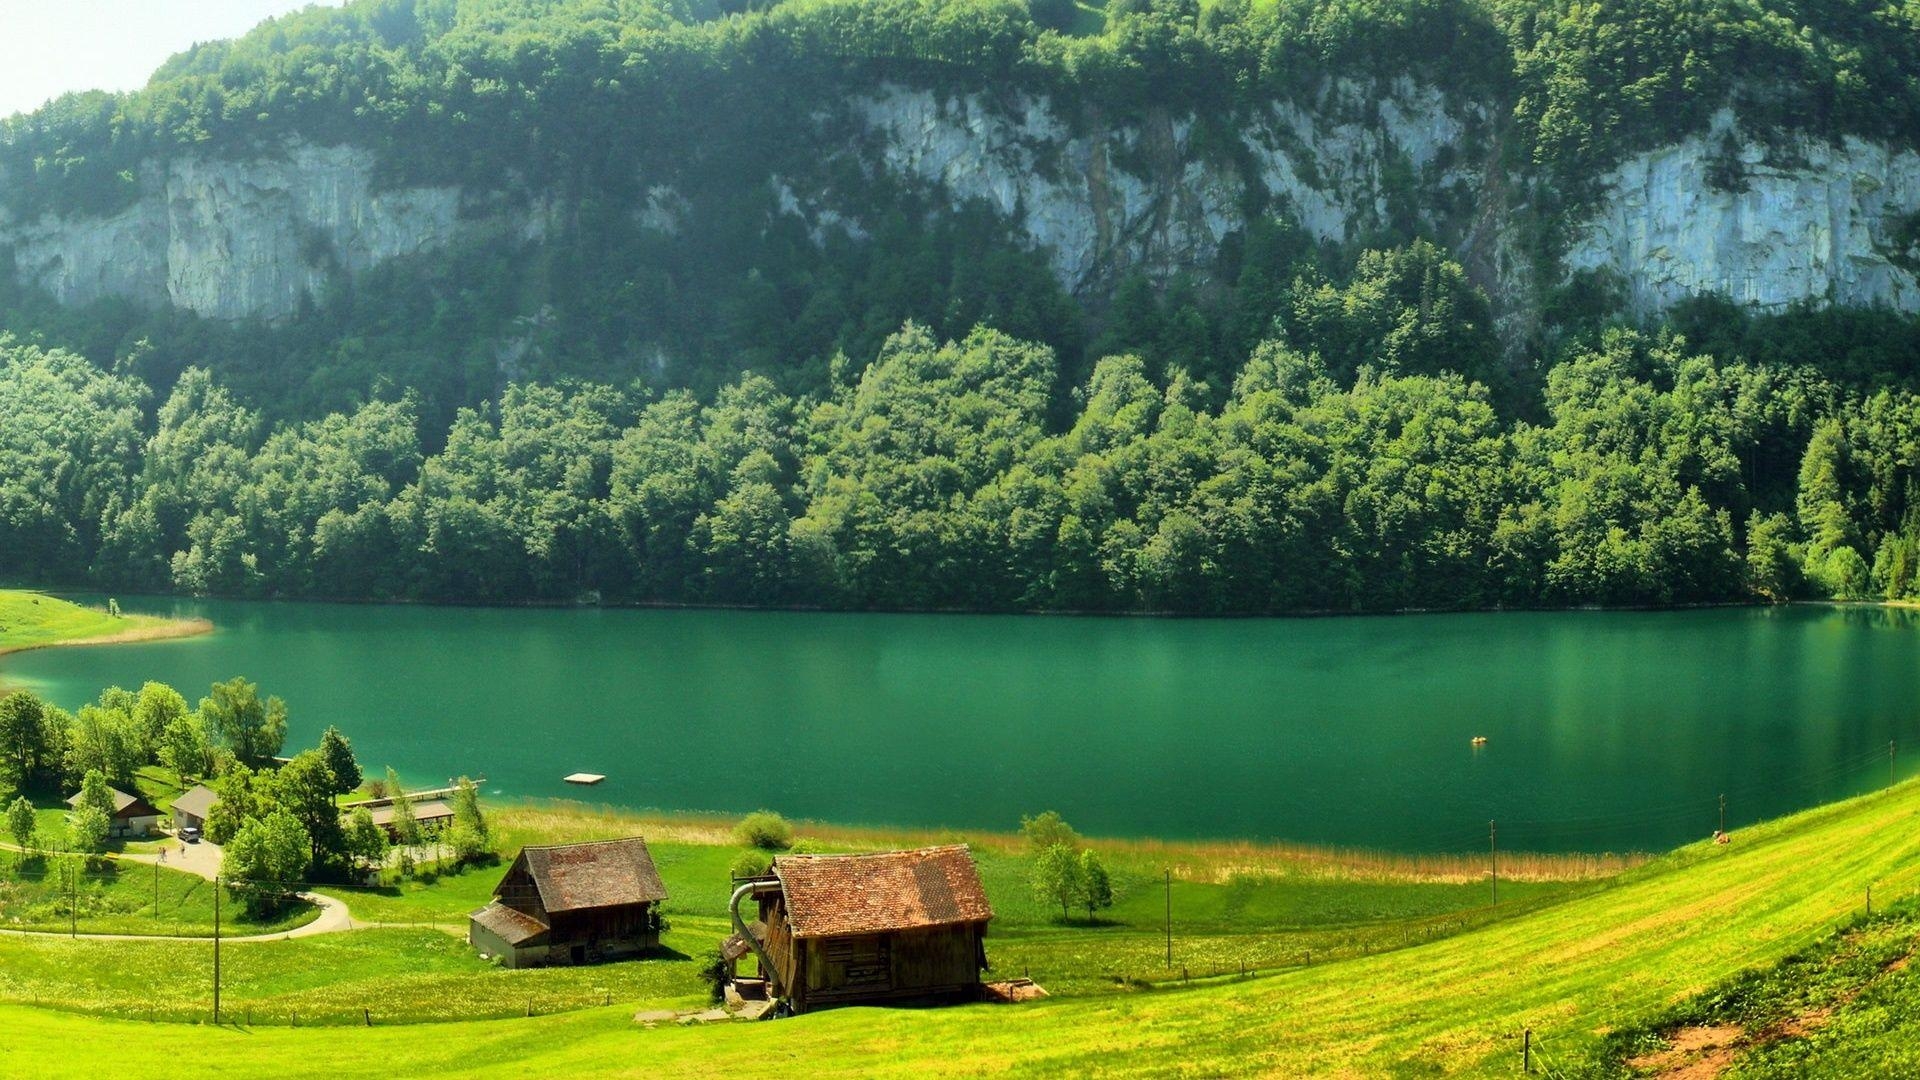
584, 779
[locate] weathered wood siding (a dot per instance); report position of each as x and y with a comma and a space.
603, 933
878, 967
780, 942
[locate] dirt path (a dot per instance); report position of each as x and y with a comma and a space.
203, 859
333, 919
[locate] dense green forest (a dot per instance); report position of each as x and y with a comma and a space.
933, 479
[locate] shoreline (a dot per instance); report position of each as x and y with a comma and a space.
1214, 860
164, 630
581, 604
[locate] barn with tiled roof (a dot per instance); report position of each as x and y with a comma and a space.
893, 925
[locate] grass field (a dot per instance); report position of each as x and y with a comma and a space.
111, 897
31, 620
1236, 907
1847, 1005
1619, 956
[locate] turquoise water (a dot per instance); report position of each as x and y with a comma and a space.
1606, 731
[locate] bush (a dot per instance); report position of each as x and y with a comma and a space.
765, 830
750, 864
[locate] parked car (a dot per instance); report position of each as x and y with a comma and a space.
190, 835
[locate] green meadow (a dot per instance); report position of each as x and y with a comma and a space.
1571, 961
32, 620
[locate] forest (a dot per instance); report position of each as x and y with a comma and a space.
933, 478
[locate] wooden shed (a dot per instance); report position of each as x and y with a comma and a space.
572, 904
845, 929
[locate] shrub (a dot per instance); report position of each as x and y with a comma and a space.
750, 864
765, 830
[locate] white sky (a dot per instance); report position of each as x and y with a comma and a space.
48, 47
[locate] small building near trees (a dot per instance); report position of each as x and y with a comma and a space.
845, 929
132, 815
572, 904
430, 808
190, 810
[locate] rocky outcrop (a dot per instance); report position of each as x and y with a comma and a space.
1161, 196
1764, 224
1766, 227
232, 239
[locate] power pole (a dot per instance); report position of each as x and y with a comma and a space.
216, 950
1169, 918
1723, 813
73, 896
1493, 853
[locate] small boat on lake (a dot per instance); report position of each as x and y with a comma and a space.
584, 779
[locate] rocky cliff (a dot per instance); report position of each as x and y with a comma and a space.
1764, 223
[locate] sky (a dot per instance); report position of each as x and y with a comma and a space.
48, 47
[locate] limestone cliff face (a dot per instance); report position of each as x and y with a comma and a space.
231, 240
1825, 221
1819, 221
1161, 196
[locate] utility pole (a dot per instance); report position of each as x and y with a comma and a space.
1892, 753
1493, 853
73, 896
1169, 918
156, 892
1723, 814
216, 950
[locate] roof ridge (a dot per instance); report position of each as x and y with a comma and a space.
582, 843
872, 854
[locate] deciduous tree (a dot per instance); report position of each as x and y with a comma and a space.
253, 729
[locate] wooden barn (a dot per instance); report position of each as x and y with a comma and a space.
845, 929
572, 904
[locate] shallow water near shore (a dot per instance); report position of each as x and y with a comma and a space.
1605, 731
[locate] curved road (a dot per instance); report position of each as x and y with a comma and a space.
204, 859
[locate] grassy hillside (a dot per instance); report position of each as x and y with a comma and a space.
31, 620
1613, 960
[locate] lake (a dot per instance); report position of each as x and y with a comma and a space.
1605, 730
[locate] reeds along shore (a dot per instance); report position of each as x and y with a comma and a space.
1191, 860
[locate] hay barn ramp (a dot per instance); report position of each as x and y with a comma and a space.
847, 929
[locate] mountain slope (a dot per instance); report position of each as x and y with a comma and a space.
656, 189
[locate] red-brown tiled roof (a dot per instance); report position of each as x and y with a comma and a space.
601, 873
833, 895
514, 927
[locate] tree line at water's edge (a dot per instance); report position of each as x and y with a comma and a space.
936, 478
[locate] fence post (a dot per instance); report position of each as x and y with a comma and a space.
1526, 1051
367, 1016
